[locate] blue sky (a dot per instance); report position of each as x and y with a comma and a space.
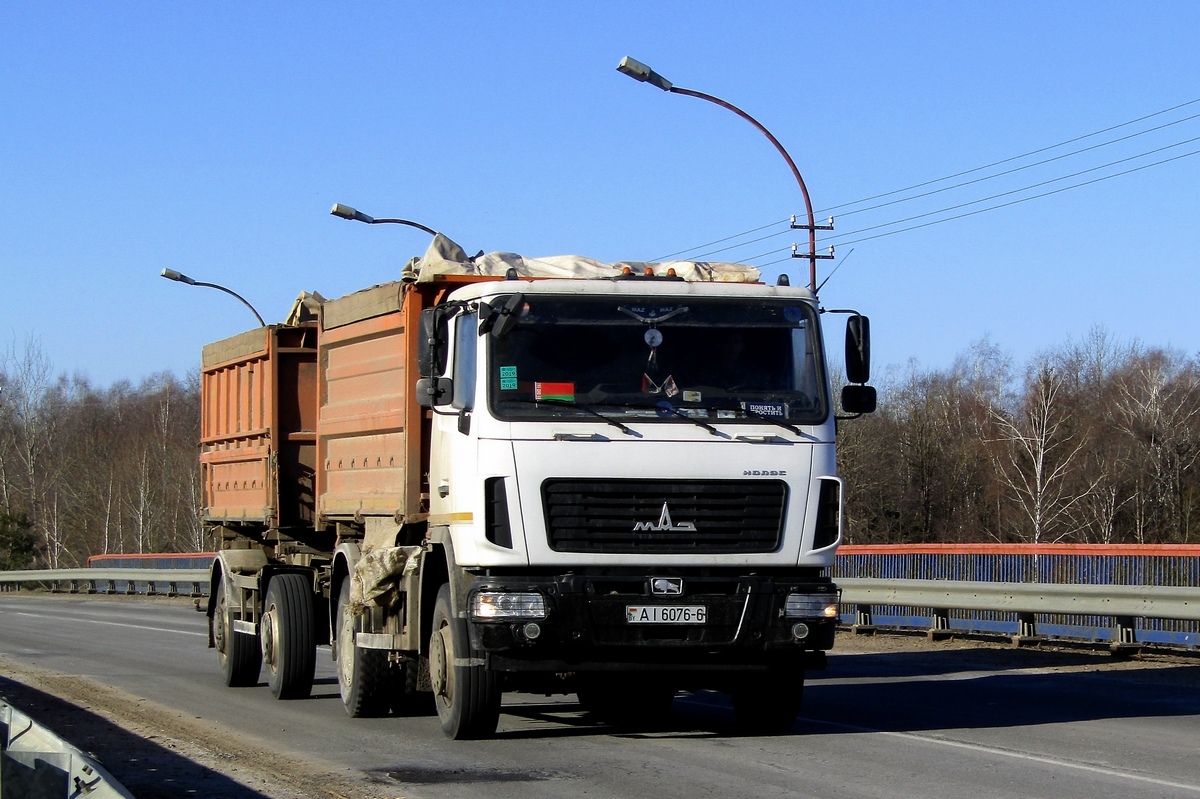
212, 138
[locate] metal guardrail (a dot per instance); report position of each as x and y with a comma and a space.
1124, 604
114, 581
37, 764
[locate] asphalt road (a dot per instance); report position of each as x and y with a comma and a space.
891, 718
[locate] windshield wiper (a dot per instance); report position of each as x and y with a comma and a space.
666, 407
562, 403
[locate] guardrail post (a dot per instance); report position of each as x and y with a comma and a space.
864, 623
1124, 640
939, 625
1026, 630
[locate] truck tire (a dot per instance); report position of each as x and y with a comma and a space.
467, 696
768, 705
625, 702
286, 632
364, 675
239, 654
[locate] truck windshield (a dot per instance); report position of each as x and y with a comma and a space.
659, 359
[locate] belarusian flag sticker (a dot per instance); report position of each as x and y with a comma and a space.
554, 392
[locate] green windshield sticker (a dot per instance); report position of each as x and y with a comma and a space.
508, 378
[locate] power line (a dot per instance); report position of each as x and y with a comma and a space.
707, 253
1013, 158
980, 210
1014, 191
662, 258
1023, 199
1015, 169
698, 256
833, 238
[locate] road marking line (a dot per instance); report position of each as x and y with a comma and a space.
112, 624
992, 750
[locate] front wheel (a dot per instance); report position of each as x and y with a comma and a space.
286, 631
466, 694
364, 675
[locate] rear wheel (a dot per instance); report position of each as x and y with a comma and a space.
768, 704
286, 631
238, 653
467, 696
364, 675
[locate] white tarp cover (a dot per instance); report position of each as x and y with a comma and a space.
444, 257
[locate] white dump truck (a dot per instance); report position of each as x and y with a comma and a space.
503, 473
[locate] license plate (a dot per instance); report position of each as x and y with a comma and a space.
666, 614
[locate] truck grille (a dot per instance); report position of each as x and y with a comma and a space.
664, 516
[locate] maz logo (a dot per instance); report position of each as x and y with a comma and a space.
666, 586
665, 524
765, 473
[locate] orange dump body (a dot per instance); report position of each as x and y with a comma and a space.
258, 427
311, 424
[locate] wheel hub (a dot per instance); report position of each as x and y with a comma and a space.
345, 646
218, 623
441, 664
268, 634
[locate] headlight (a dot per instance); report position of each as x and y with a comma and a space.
811, 606
505, 606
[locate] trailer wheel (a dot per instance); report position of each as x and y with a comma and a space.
364, 676
239, 654
467, 696
286, 632
768, 705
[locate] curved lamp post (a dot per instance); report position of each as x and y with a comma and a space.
179, 277
346, 212
639, 71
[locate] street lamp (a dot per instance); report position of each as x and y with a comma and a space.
639, 71
346, 212
179, 277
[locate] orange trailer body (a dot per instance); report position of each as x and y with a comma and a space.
306, 425
258, 427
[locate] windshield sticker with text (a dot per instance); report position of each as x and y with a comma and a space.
508, 378
772, 410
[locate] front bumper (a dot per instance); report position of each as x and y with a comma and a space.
585, 626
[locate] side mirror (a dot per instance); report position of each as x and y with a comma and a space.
431, 348
434, 391
858, 349
858, 399
500, 317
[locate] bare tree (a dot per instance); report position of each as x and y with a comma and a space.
1039, 452
1159, 409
